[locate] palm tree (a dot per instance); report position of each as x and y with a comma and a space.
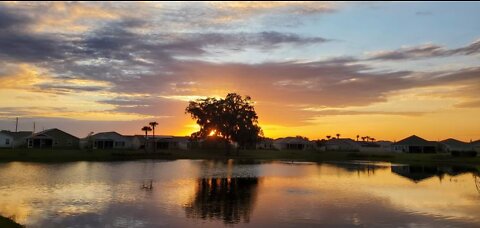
338, 136
373, 139
358, 136
146, 129
363, 138
328, 137
154, 124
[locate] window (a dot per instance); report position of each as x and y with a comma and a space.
7, 141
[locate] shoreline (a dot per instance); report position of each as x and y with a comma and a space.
59, 155
7, 222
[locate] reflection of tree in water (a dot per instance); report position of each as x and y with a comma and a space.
227, 199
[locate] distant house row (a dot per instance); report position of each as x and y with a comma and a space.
412, 144
55, 138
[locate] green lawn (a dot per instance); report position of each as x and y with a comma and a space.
59, 155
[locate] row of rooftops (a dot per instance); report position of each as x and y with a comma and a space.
418, 141
411, 140
27, 134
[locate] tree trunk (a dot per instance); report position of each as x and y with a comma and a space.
227, 147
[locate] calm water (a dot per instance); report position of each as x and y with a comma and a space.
189, 193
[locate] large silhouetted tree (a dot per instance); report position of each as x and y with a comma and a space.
234, 119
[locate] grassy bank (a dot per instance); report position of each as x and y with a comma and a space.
59, 155
8, 223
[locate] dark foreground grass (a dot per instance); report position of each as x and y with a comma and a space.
8, 223
60, 155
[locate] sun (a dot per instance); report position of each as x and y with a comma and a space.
212, 132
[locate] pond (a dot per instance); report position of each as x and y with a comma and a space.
189, 193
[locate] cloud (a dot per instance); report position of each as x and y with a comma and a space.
469, 104
339, 112
425, 51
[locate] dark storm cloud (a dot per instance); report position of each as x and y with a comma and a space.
9, 21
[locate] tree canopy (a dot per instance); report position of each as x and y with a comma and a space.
233, 118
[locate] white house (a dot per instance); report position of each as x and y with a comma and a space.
10, 139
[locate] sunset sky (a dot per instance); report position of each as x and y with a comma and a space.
386, 70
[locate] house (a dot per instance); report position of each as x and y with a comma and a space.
166, 142
476, 146
52, 138
137, 141
385, 146
293, 143
456, 146
265, 144
378, 146
9, 139
415, 144
343, 144
110, 140
173, 143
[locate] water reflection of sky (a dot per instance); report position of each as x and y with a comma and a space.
215, 193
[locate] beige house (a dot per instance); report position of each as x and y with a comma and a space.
344, 144
415, 144
293, 143
52, 138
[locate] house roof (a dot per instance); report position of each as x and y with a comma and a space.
17, 135
476, 143
296, 140
50, 131
454, 142
384, 143
264, 139
343, 141
106, 134
415, 141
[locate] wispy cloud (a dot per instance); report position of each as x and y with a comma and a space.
425, 51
